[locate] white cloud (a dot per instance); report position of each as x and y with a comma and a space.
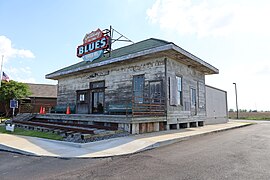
21, 74
9, 51
27, 80
204, 18
253, 92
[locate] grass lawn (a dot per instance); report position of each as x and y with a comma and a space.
20, 131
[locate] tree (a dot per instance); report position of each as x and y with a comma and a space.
12, 90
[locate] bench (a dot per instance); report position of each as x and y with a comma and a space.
120, 108
63, 109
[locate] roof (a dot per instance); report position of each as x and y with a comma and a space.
43, 90
143, 48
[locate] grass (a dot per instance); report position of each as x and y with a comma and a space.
257, 118
22, 132
251, 115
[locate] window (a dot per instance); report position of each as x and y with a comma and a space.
193, 97
138, 86
179, 91
193, 101
81, 97
95, 85
155, 91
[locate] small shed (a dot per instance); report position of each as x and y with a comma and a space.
216, 105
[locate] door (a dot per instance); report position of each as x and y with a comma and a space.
138, 86
98, 102
97, 97
193, 101
82, 102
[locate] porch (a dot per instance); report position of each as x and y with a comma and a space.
128, 123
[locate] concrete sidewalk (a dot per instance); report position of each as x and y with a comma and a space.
106, 148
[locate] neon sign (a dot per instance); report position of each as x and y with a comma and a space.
93, 45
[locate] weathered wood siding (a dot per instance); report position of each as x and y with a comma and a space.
118, 80
191, 78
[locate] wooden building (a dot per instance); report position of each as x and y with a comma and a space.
148, 86
44, 95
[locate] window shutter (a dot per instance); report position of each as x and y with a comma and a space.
173, 91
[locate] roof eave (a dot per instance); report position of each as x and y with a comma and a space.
210, 69
56, 75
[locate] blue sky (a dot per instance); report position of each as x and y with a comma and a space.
39, 37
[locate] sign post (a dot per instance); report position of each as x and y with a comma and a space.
13, 104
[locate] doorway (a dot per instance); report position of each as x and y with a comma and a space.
98, 102
98, 98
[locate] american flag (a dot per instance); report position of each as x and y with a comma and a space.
5, 77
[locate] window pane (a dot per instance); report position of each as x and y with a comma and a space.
193, 96
179, 83
155, 91
81, 97
179, 90
178, 98
97, 84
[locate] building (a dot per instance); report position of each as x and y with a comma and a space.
44, 95
148, 86
216, 105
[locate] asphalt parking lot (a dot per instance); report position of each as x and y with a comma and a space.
241, 153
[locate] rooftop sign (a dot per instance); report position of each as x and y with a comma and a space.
93, 45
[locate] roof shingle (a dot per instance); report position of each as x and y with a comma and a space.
43, 90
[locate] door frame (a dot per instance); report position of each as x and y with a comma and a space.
94, 90
85, 101
92, 98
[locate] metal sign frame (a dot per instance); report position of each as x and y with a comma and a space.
13, 103
120, 37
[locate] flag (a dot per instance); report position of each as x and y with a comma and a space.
5, 77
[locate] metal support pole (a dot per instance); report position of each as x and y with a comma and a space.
1, 71
237, 112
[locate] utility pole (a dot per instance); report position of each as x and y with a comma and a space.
1, 71
237, 115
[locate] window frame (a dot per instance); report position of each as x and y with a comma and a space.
96, 82
139, 99
161, 88
179, 91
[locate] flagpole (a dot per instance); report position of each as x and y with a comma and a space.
1, 74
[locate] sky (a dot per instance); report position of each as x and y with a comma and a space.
40, 37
